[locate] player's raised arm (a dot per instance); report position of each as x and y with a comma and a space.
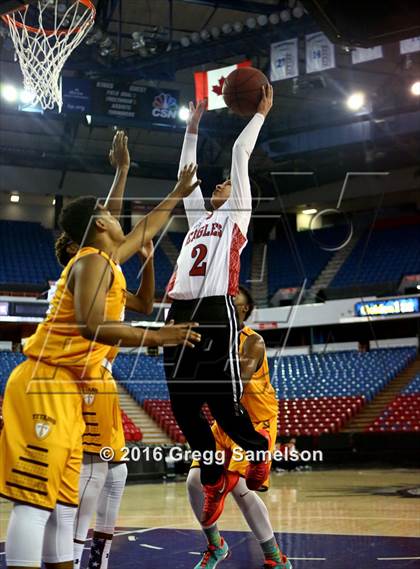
142, 301
90, 282
119, 157
153, 222
194, 203
240, 201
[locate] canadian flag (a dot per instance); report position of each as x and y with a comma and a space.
209, 84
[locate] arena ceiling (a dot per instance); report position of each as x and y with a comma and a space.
313, 102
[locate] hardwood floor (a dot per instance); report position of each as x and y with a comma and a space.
352, 502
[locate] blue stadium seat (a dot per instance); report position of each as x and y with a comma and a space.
317, 393
292, 259
348, 373
384, 256
27, 253
27, 257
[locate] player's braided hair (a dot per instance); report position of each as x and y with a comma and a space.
61, 246
75, 219
249, 300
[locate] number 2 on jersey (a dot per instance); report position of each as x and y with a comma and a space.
200, 266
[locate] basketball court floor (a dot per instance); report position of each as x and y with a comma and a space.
335, 519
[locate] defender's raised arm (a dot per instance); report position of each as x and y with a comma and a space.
153, 222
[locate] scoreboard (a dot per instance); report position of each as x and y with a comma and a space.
388, 307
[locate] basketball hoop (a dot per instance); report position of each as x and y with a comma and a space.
44, 34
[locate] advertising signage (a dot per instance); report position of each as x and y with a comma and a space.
120, 101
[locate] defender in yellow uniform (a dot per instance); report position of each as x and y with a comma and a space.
260, 402
103, 474
41, 442
42, 409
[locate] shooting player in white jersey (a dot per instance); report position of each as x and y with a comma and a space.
202, 288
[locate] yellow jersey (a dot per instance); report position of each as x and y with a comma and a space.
259, 397
57, 340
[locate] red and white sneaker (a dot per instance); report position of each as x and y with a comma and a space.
284, 564
215, 496
257, 472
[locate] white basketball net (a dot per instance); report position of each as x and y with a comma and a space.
43, 52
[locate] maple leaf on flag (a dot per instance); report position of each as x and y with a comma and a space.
218, 89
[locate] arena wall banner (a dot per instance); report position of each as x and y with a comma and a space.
77, 95
284, 60
410, 45
320, 54
125, 101
121, 101
361, 54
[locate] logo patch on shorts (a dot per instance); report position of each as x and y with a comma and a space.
89, 397
43, 425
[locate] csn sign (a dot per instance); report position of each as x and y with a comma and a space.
165, 106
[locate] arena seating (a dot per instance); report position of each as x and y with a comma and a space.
9, 360
163, 271
142, 376
390, 253
292, 259
131, 431
403, 414
321, 392
22, 242
317, 393
339, 374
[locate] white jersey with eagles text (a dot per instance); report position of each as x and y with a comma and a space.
209, 260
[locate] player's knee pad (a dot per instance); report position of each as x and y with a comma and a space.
93, 473
194, 480
110, 499
58, 539
195, 491
92, 479
25, 536
118, 473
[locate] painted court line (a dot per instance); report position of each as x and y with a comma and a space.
144, 530
307, 558
396, 558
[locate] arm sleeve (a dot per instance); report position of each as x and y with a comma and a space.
240, 201
194, 203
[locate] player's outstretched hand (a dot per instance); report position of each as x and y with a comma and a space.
194, 118
187, 181
119, 155
174, 334
266, 100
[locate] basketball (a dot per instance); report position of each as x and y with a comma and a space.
242, 90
